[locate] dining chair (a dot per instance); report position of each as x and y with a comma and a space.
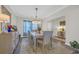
47, 42
39, 41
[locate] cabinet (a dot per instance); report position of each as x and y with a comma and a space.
8, 42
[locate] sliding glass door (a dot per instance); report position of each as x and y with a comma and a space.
27, 27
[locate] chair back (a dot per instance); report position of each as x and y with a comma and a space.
47, 36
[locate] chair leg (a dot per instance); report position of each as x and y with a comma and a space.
51, 43
36, 46
42, 47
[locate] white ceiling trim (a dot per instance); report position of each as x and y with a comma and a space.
58, 10
46, 17
11, 11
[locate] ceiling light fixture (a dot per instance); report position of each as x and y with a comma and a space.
36, 20
36, 12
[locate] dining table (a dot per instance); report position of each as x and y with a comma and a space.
36, 35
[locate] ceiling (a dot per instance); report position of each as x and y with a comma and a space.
29, 10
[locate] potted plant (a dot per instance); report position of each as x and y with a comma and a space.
75, 45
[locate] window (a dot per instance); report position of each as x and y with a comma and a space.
27, 26
34, 26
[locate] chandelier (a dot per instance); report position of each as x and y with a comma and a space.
36, 20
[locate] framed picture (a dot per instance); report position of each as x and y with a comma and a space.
62, 23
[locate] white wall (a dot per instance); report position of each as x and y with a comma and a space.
46, 25
71, 14
56, 24
18, 21
20, 25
